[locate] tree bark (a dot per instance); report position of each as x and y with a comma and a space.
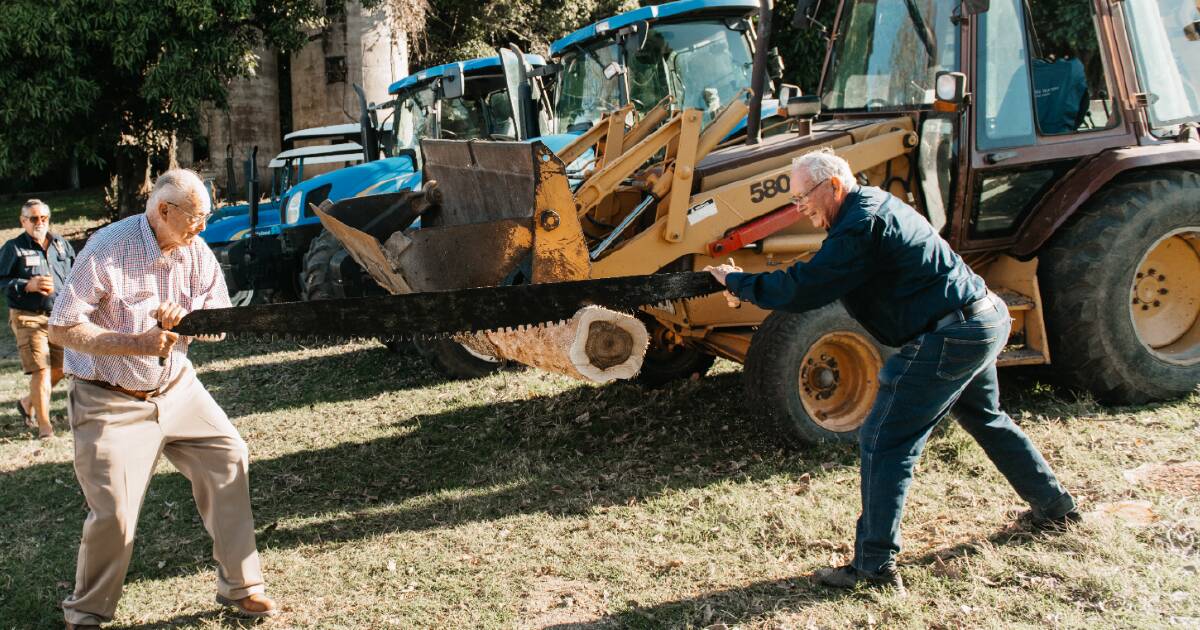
132, 174
596, 345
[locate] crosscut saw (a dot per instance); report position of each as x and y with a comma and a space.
437, 314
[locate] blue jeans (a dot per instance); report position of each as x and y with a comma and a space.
954, 366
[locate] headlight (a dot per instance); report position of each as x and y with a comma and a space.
291, 214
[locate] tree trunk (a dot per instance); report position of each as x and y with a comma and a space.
596, 345
173, 152
132, 173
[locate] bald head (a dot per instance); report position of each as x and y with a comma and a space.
180, 187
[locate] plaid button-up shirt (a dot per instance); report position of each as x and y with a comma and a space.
118, 280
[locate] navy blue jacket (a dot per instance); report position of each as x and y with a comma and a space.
22, 258
891, 270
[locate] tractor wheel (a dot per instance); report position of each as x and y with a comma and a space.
814, 376
1121, 285
316, 277
664, 363
454, 360
251, 296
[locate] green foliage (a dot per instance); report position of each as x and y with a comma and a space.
463, 29
802, 49
79, 75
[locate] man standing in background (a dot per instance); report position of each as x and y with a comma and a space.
33, 266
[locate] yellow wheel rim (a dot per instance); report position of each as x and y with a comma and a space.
839, 378
1165, 298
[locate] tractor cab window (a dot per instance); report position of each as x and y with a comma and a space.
702, 64
411, 119
1041, 76
1166, 46
500, 115
589, 86
888, 53
1070, 86
1049, 79
462, 118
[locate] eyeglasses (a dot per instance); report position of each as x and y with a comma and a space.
798, 198
193, 219
43, 218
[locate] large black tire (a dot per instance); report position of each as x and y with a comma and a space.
661, 366
317, 280
252, 296
452, 360
813, 376
1091, 272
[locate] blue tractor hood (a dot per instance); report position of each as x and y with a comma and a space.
650, 14
557, 141
232, 227
380, 176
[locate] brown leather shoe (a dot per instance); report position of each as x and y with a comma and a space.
256, 605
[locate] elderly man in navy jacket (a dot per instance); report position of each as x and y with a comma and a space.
904, 284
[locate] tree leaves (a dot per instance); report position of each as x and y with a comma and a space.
80, 75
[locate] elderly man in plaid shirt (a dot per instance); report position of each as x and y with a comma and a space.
135, 397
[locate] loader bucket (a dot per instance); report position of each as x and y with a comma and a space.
478, 226
364, 224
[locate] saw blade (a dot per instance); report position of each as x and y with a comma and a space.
446, 312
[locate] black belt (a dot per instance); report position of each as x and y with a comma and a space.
981, 305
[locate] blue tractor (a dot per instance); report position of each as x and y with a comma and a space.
281, 252
700, 52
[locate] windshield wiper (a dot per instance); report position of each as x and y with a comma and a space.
922, 29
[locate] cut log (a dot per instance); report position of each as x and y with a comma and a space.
596, 345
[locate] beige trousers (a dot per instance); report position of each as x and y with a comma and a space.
118, 440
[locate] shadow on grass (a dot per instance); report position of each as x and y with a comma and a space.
292, 383
729, 607
562, 455
545, 455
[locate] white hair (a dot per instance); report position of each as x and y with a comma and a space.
31, 204
824, 164
177, 186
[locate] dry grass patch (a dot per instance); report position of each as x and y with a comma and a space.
386, 497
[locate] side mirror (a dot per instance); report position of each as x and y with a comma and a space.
806, 106
452, 81
975, 7
950, 91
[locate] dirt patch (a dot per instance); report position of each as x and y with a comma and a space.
1177, 477
552, 601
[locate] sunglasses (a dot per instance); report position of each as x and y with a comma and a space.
42, 218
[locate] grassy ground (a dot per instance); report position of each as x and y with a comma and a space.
387, 498
72, 212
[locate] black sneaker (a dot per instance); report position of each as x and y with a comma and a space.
849, 577
1033, 521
